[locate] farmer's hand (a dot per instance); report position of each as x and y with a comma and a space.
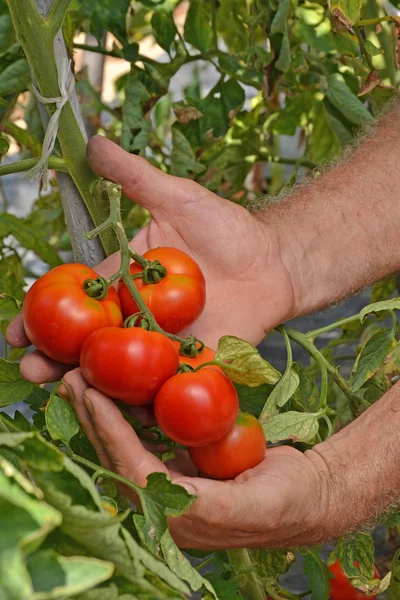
282, 502
249, 289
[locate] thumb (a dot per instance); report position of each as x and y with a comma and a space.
141, 182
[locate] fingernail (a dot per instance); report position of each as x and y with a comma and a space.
70, 391
88, 404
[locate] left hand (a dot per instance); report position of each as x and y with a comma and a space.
281, 502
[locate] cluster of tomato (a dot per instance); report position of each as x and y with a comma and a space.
196, 408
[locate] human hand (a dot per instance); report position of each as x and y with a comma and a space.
282, 502
249, 289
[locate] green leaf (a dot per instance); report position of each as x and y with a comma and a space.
232, 18
281, 394
324, 144
13, 388
183, 160
15, 582
29, 238
25, 520
135, 129
283, 62
394, 589
279, 22
17, 423
4, 145
54, 576
345, 101
273, 563
296, 426
34, 450
377, 307
242, 363
61, 420
371, 358
164, 29
9, 307
318, 576
306, 397
350, 9
372, 49
251, 400
15, 78
197, 30
361, 549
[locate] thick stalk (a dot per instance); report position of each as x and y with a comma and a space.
58, 164
36, 36
251, 587
366, 22
311, 335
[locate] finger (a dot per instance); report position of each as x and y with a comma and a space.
38, 368
122, 445
15, 334
141, 182
76, 387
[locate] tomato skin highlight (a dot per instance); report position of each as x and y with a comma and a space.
59, 315
178, 299
341, 588
242, 448
195, 409
128, 364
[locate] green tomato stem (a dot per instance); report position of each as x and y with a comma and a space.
366, 22
56, 14
367, 57
251, 586
311, 335
58, 164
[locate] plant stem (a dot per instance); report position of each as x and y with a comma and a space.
214, 23
361, 41
37, 40
103, 472
205, 563
58, 164
366, 22
56, 14
252, 587
305, 342
113, 53
311, 335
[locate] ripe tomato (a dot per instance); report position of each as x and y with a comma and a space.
178, 299
341, 588
59, 315
242, 448
195, 409
128, 364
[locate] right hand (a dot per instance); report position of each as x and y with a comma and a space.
249, 289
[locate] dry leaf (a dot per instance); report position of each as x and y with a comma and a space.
185, 114
370, 83
378, 28
341, 22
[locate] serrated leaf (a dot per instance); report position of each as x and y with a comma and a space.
183, 159
61, 421
377, 307
13, 388
361, 549
9, 307
242, 363
15, 424
164, 29
281, 394
345, 101
296, 426
318, 576
371, 358
29, 238
350, 9
135, 128
180, 565
54, 576
34, 450
197, 30
307, 395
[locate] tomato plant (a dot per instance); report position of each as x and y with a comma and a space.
129, 364
59, 315
178, 299
195, 409
340, 586
242, 448
242, 97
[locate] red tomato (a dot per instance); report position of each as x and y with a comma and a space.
59, 315
178, 299
128, 364
341, 588
195, 409
242, 448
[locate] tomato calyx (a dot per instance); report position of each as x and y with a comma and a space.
183, 368
96, 288
191, 347
139, 319
154, 272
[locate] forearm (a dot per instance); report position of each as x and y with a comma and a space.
341, 232
361, 467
